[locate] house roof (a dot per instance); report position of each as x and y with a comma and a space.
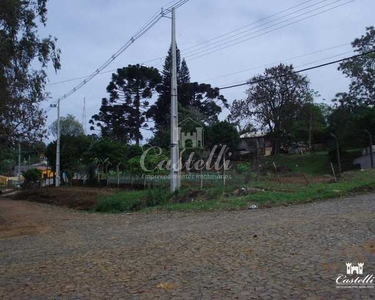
252, 135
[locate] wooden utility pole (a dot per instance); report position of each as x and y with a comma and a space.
338, 152
310, 132
19, 165
371, 152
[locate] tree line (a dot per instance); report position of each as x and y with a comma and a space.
280, 102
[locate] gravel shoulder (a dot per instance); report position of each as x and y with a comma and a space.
293, 252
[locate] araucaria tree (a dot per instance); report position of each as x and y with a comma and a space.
123, 115
273, 102
22, 82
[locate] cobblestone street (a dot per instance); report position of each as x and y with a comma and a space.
293, 252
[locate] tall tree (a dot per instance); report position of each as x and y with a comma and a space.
24, 57
199, 98
222, 133
274, 101
184, 73
160, 111
123, 115
203, 98
361, 70
311, 125
69, 125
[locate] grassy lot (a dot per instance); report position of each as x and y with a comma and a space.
269, 190
315, 164
231, 197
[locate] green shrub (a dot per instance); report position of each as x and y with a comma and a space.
32, 175
242, 168
157, 196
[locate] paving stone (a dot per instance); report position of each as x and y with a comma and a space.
297, 255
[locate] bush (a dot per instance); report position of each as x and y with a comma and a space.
242, 168
132, 200
32, 175
157, 196
32, 178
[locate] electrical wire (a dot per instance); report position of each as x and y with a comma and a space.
235, 30
243, 39
188, 52
139, 34
202, 43
296, 72
309, 63
276, 62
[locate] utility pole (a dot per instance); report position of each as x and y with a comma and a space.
338, 152
310, 132
175, 174
84, 116
19, 165
57, 183
371, 152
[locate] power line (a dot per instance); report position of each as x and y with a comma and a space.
105, 72
307, 64
225, 34
296, 72
139, 34
245, 38
188, 53
277, 62
206, 42
253, 23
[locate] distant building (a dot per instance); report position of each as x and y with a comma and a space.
250, 141
42, 166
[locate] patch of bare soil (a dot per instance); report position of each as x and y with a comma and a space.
80, 198
364, 189
20, 219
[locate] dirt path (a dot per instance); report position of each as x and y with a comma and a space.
291, 252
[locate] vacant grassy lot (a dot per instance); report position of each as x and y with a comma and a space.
270, 189
280, 194
315, 164
265, 193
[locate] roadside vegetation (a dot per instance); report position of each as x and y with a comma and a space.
270, 190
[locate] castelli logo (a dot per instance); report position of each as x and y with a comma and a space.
355, 277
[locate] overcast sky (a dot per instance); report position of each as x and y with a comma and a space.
90, 31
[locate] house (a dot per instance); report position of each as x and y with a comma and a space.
42, 166
249, 142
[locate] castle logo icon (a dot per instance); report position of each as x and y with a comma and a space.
352, 269
190, 139
354, 278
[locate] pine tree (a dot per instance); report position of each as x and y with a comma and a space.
200, 99
160, 111
183, 74
124, 115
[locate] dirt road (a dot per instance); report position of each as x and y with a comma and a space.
294, 252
